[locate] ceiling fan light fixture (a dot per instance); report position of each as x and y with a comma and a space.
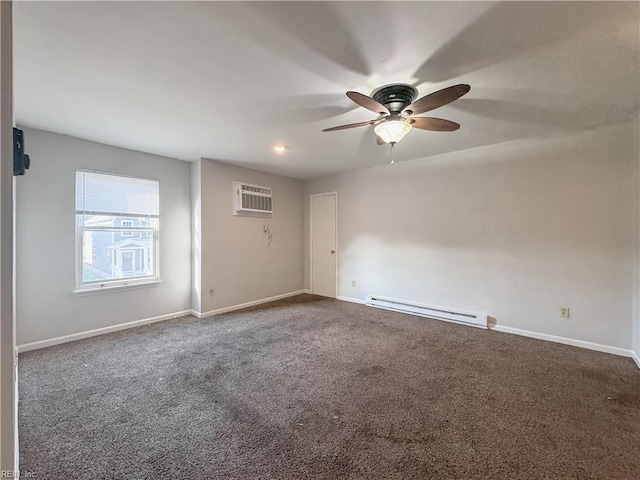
392, 131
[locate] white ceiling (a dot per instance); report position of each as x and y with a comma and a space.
227, 80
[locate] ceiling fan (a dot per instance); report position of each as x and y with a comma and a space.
395, 105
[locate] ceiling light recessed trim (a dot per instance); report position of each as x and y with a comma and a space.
279, 148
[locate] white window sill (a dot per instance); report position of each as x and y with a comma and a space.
115, 288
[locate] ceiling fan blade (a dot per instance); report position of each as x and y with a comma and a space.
351, 125
380, 141
435, 124
437, 99
368, 103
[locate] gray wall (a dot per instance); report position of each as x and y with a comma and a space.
45, 236
236, 260
514, 230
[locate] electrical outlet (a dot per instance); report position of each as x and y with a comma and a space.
211, 292
353, 283
564, 312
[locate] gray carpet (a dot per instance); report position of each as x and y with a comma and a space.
314, 388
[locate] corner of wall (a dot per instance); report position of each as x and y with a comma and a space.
635, 345
196, 238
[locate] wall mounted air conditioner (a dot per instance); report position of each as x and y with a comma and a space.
252, 200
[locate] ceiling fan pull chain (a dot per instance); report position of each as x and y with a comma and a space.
393, 144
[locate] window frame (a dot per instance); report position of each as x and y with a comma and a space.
152, 223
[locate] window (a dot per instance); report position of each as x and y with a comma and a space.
127, 223
116, 229
145, 233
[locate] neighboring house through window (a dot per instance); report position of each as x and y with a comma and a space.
126, 223
116, 229
145, 233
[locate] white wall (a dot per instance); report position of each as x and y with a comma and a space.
236, 260
514, 230
45, 234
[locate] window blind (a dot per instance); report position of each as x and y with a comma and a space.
107, 194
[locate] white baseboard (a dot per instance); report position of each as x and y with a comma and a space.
98, 331
351, 299
245, 305
145, 321
307, 290
636, 358
16, 397
566, 341
543, 336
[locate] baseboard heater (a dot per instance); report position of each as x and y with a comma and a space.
438, 313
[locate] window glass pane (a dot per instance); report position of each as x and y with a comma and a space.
117, 248
117, 227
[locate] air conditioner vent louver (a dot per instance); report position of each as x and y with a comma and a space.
251, 200
254, 202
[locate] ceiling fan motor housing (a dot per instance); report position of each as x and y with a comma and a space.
395, 97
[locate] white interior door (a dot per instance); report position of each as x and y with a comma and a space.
324, 245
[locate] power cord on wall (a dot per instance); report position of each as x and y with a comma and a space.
269, 232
